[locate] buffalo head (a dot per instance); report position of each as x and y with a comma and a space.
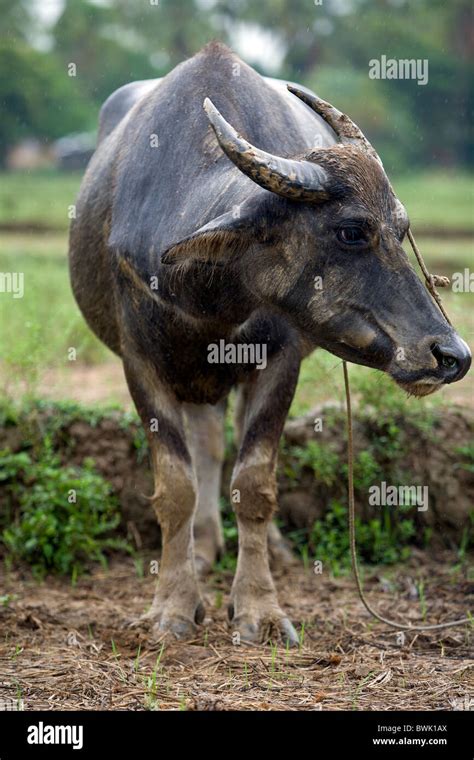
331, 256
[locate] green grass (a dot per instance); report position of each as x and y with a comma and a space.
433, 198
37, 330
437, 198
445, 256
52, 246
39, 198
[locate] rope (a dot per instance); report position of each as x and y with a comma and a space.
431, 279
431, 282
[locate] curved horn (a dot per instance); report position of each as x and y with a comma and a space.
343, 126
298, 180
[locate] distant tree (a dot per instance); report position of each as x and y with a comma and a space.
105, 49
17, 20
326, 45
37, 97
172, 30
423, 124
439, 112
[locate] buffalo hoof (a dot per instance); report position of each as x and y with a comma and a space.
263, 628
176, 628
170, 623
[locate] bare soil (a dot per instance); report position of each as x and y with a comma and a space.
84, 383
72, 648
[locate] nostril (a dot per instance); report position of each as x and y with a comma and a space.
449, 361
444, 357
454, 359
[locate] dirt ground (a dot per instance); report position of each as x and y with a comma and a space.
72, 648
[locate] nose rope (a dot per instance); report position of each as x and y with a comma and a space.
431, 282
431, 279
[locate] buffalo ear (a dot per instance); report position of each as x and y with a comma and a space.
216, 241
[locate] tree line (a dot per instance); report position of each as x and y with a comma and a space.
328, 45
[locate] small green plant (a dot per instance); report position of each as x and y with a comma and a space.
117, 656
136, 663
322, 461
301, 636
467, 452
274, 652
380, 540
304, 556
139, 567
246, 675
59, 519
367, 471
358, 689
467, 538
420, 587
228, 561
151, 682
17, 652
140, 443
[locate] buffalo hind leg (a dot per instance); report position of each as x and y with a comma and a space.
205, 436
254, 609
177, 605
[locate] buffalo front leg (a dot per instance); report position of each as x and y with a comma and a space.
254, 609
177, 605
280, 553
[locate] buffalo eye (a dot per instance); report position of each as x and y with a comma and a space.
351, 234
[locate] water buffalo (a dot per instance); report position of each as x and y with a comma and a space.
248, 223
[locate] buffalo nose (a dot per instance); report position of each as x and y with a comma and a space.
453, 357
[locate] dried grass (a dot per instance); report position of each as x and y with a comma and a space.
56, 647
